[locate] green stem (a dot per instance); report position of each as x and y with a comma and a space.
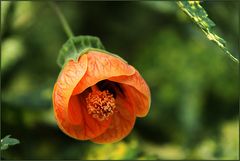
63, 20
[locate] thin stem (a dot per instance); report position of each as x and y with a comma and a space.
63, 20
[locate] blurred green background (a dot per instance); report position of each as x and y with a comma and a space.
194, 85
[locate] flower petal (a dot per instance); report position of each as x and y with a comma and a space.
75, 114
69, 77
102, 66
90, 126
140, 92
122, 123
69, 129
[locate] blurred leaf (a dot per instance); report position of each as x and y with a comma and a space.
225, 147
200, 17
229, 140
163, 6
26, 96
12, 51
183, 95
5, 5
7, 141
205, 150
167, 151
23, 15
120, 150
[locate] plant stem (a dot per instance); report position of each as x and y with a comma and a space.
63, 20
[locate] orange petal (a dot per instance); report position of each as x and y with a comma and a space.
75, 115
102, 66
122, 123
90, 127
140, 92
69, 77
69, 129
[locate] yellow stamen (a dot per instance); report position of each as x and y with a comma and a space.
100, 104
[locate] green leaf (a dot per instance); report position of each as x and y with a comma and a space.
200, 17
5, 7
7, 141
76, 46
12, 51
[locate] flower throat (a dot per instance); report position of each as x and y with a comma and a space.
100, 104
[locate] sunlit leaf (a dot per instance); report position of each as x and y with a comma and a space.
200, 17
7, 141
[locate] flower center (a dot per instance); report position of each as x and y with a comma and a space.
100, 104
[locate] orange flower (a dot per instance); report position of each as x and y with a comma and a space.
99, 97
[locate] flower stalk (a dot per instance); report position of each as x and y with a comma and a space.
63, 20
